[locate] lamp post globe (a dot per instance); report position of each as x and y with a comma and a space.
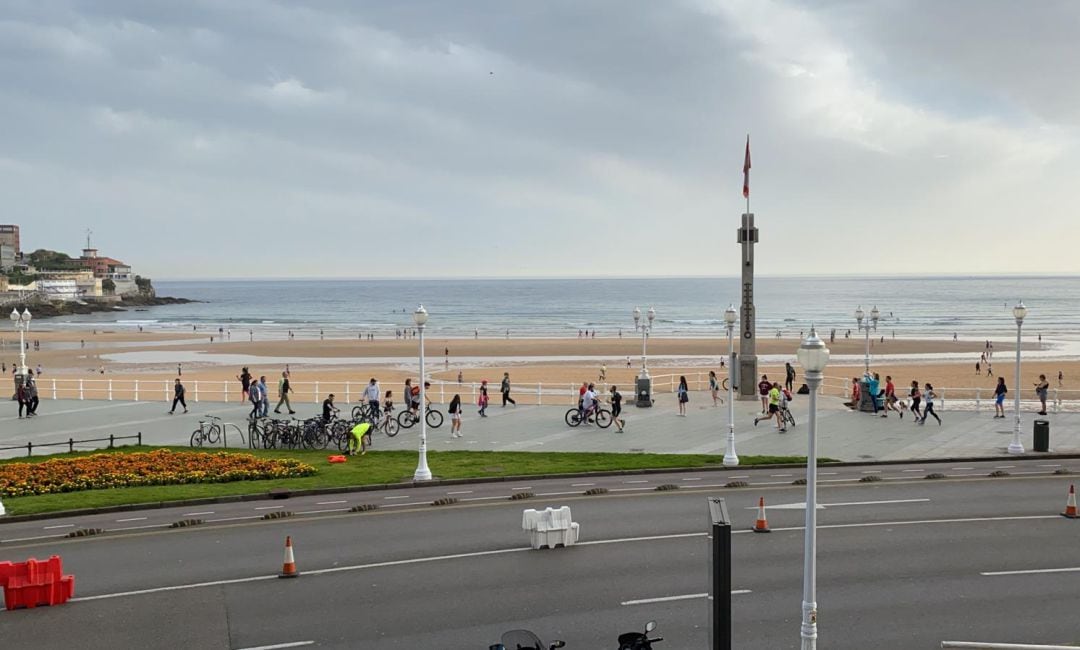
422, 473
875, 315
1017, 447
731, 459
652, 315
637, 317
813, 356
859, 315
14, 315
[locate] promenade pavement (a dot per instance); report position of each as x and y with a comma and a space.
842, 434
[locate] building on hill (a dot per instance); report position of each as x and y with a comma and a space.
107, 268
9, 236
8, 257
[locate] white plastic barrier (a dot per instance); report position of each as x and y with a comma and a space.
550, 527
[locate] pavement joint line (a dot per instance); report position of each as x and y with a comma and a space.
667, 599
1030, 571
280, 646
330, 503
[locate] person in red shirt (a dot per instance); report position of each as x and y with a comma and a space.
890, 398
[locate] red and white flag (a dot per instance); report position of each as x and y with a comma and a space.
746, 171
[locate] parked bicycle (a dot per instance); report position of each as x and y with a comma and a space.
212, 430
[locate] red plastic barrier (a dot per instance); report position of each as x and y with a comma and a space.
33, 583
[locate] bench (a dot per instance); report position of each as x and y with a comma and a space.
550, 527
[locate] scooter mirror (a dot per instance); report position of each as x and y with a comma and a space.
558, 644
650, 626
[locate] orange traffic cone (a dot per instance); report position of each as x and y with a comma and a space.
1070, 505
762, 524
289, 568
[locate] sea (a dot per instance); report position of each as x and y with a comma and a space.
973, 308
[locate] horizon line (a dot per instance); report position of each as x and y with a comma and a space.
895, 276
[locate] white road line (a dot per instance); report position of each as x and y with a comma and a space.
780, 475
1049, 465
691, 479
1016, 573
914, 470
821, 506
403, 496
870, 471
581, 484
526, 549
329, 503
635, 481
268, 507
667, 599
827, 473
59, 526
739, 476
30, 539
461, 492
277, 646
121, 521
961, 469
193, 514
1004, 466
522, 487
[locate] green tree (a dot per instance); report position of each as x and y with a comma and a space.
108, 286
47, 260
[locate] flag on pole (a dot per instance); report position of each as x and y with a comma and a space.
746, 171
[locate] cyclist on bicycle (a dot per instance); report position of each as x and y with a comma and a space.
329, 411
588, 403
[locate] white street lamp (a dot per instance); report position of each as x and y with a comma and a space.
1017, 447
813, 357
731, 459
875, 315
21, 323
645, 329
422, 472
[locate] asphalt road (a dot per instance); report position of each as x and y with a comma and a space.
901, 564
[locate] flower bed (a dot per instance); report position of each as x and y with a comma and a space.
159, 467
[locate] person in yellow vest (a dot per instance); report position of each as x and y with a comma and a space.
356, 438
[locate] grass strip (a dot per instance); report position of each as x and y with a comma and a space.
374, 468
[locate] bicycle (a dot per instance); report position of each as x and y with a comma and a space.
209, 431
786, 416
407, 418
597, 413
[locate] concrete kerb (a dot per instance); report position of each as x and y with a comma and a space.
265, 496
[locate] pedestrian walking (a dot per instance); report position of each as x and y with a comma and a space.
22, 393
1042, 387
627, 362
283, 389
603, 372
455, 416
714, 388
245, 381
763, 388
989, 368
616, 409
928, 405
504, 388
978, 369
460, 376
999, 398
916, 398
371, 394
255, 397
789, 376
264, 396
178, 396
683, 393
482, 402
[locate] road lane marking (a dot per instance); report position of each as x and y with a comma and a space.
828, 473
279, 646
121, 521
1016, 573
268, 507
581, 484
635, 481
1004, 466
802, 506
1049, 465
329, 503
403, 496
739, 476
59, 526
192, 514
870, 471
691, 479
960, 469
526, 549
914, 470
667, 599
522, 487
780, 475
461, 492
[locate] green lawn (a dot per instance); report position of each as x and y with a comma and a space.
377, 467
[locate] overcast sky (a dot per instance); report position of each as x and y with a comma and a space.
571, 138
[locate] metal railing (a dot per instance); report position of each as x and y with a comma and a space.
199, 390
71, 442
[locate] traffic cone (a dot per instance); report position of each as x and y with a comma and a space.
289, 568
762, 524
1070, 505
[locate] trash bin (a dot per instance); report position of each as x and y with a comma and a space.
1042, 435
866, 396
643, 392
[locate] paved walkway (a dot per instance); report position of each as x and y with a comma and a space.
842, 434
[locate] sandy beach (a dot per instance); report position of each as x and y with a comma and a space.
152, 357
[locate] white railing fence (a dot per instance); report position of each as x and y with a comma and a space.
555, 393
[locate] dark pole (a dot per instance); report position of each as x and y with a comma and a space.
720, 565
